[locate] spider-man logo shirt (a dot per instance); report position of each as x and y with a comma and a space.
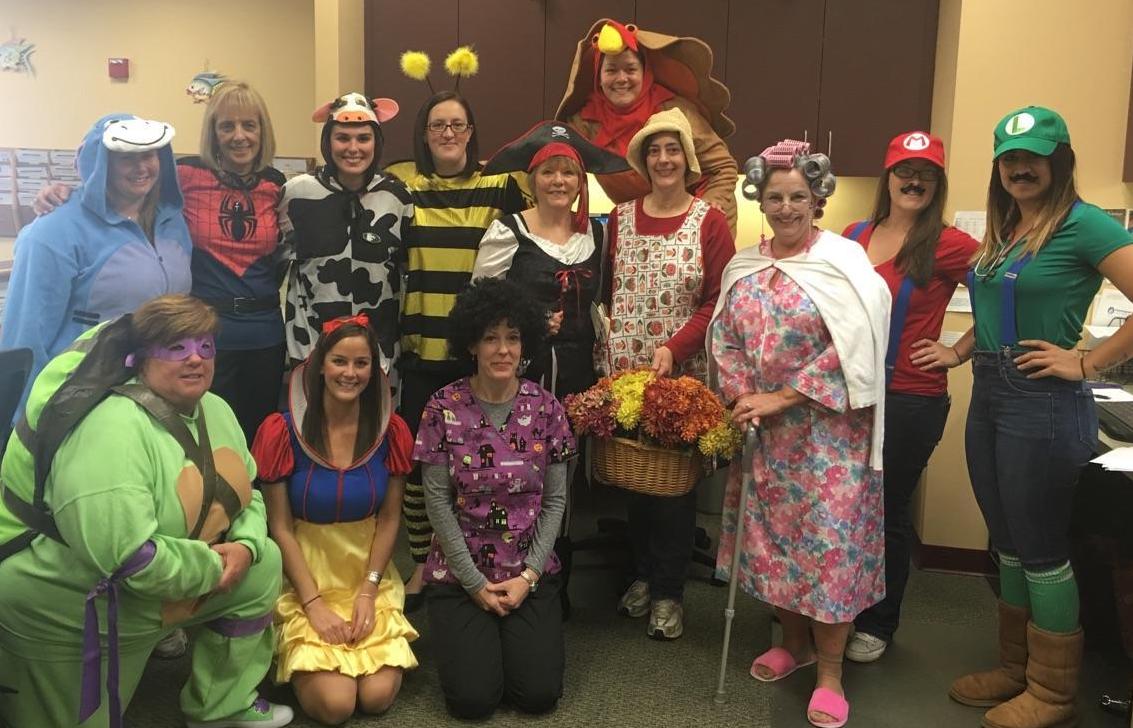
236, 248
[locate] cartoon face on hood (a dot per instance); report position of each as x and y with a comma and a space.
125, 133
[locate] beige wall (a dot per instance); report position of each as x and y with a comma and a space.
994, 56
266, 42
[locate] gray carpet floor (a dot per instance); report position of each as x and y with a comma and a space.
616, 676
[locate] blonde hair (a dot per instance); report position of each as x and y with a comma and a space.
1003, 211
560, 162
236, 95
168, 319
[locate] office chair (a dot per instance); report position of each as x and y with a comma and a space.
15, 366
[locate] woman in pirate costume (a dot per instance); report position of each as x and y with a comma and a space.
333, 469
145, 509
622, 75
344, 228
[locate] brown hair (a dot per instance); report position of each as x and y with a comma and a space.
313, 426
1003, 211
168, 319
918, 253
236, 95
421, 154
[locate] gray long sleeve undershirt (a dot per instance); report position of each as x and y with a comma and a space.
441, 507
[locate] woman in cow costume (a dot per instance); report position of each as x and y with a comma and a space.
343, 227
494, 450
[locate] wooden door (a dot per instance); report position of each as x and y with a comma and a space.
566, 22
393, 27
774, 54
703, 19
507, 93
877, 72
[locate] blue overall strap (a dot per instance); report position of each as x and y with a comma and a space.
858, 229
1008, 333
897, 326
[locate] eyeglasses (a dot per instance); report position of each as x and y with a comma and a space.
438, 127
908, 171
774, 205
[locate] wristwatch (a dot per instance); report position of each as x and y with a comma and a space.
532, 579
374, 577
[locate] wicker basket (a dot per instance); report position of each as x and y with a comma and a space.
645, 468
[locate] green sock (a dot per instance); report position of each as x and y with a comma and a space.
1012, 581
1054, 599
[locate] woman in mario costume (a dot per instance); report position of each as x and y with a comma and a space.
922, 259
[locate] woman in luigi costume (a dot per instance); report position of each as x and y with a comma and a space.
1032, 423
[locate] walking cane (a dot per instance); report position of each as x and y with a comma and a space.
733, 581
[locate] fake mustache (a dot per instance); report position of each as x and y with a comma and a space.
911, 188
1024, 177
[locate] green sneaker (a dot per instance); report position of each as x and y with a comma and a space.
262, 714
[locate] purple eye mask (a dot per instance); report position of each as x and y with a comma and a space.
202, 346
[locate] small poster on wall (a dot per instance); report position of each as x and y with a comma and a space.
15, 55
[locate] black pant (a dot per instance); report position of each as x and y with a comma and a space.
661, 532
483, 658
249, 380
416, 388
913, 427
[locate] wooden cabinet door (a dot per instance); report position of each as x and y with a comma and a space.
774, 52
396, 26
877, 71
507, 94
566, 21
1127, 175
703, 19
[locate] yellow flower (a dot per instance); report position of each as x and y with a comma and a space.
723, 439
629, 393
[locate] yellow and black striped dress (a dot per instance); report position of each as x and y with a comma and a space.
450, 216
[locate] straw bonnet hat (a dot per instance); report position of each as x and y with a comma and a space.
673, 121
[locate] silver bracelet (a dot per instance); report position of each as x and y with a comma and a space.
374, 577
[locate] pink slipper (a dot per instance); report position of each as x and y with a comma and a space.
779, 661
825, 700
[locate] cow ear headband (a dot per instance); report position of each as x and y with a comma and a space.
356, 108
462, 63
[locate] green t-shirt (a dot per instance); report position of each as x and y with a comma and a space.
1054, 290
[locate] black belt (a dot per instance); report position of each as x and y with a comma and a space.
242, 304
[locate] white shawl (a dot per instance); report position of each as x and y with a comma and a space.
854, 303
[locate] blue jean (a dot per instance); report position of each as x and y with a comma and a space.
1026, 441
913, 427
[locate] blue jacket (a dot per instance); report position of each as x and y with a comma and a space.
84, 263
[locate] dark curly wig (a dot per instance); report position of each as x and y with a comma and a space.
486, 303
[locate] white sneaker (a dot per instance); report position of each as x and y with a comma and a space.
172, 646
262, 714
635, 601
864, 647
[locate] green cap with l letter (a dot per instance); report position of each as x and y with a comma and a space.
1033, 128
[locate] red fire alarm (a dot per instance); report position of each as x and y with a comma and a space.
119, 68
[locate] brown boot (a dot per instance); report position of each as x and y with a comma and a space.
1053, 662
992, 687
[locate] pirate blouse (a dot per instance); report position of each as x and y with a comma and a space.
496, 474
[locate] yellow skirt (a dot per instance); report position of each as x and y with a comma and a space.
337, 555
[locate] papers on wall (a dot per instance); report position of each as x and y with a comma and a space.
292, 166
1112, 394
1119, 459
1111, 307
973, 222
949, 338
960, 301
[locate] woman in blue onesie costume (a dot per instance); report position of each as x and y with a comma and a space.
333, 477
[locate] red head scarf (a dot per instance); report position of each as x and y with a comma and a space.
562, 149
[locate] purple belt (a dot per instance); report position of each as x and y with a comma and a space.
92, 648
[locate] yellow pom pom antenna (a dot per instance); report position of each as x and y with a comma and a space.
462, 63
415, 64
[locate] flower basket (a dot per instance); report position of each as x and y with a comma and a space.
652, 435
645, 468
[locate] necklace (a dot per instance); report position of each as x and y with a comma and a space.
805, 246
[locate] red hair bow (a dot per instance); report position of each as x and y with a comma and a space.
361, 319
